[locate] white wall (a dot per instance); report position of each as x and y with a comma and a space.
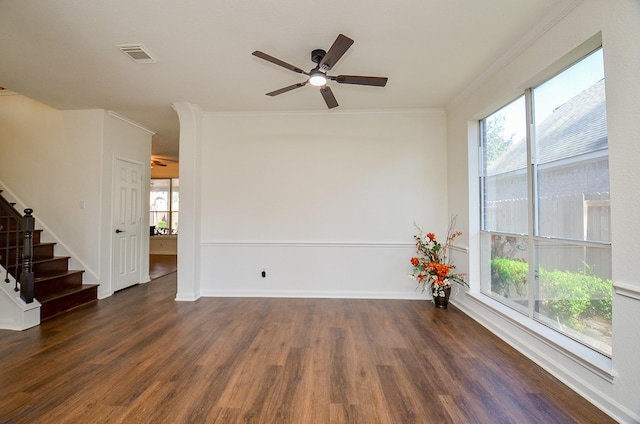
324, 202
612, 385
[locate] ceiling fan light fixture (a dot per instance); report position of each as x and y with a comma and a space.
317, 78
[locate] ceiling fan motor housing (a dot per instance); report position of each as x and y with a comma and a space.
317, 55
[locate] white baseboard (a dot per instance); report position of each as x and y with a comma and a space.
312, 294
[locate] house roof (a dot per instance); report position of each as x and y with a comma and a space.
63, 53
576, 128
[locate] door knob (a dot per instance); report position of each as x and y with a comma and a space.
118, 231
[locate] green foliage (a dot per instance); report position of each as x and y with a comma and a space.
507, 274
566, 296
571, 296
496, 142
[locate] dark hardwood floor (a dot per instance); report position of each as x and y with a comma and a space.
140, 357
161, 265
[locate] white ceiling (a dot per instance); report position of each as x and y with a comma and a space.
63, 52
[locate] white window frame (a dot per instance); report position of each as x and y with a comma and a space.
585, 355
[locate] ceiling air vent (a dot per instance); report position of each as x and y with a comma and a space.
138, 53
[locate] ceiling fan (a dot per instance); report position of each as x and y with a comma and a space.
318, 76
155, 162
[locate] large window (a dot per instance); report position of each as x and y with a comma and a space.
164, 206
546, 250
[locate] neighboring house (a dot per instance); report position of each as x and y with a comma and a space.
570, 143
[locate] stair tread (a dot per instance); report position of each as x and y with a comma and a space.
51, 259
40, 251
49, 276
42, 243
62, 293
15, 230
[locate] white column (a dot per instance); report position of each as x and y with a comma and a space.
190, 117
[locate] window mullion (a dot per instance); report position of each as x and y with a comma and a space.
481, 168
170, 206
532, 200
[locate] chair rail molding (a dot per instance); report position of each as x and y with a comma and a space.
627, 290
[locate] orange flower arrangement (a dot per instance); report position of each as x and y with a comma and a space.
431, 268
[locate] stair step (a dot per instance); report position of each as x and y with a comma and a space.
40, 251
45, 285
17, 237
67, 299
48, 266
8, 222
51, 265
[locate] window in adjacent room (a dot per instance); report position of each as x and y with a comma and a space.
164, 205
546, 248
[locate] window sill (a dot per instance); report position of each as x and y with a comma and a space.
595, 362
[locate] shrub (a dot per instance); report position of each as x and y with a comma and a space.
566, 296
507, 274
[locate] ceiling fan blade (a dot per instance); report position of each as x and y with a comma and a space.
278, 62
338, 48
288, 88
328, 96
360, 80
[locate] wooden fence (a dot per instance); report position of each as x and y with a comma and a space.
573, 217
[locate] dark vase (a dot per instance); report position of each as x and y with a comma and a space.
443, 301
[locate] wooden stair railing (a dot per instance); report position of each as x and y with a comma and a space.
27, 281
41, 274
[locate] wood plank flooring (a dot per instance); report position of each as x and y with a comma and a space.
141, 357
161, 265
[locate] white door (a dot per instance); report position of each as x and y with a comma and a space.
127, 224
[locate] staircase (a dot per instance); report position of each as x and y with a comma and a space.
57, 288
